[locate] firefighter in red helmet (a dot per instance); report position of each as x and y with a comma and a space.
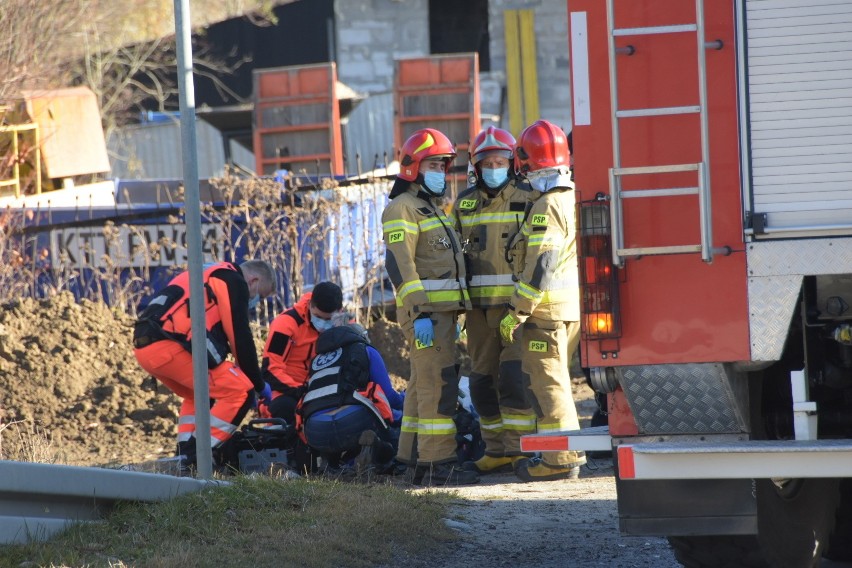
485, 215
545, 304
424, 262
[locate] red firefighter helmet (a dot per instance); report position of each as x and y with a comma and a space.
423, 144
491, 141
541, 145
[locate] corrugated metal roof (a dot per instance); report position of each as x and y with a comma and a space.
153, 151
368, 132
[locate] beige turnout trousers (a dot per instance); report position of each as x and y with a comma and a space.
428, 434
547, 347
497, 384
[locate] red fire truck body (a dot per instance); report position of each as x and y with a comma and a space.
713, 161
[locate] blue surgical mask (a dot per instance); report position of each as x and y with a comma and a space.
253, 302
495, 177
539, 184
320, 324
435, 182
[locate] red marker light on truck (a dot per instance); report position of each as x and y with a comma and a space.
598, 276
599, 323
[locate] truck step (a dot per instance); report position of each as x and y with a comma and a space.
736, 460
587, 440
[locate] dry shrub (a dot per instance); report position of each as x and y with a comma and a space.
25, 441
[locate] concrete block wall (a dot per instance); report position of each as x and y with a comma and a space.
551, 28
370, 34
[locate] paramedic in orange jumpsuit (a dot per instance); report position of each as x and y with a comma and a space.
291, 345
162, 340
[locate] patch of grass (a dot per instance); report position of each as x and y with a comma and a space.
255, 521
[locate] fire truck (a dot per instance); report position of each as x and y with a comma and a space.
713, 162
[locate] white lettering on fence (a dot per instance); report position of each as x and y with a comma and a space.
129, 246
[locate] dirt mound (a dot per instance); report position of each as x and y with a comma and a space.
387, 337
67, 372
72, 392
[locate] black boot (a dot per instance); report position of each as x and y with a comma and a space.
444, 474
188, 457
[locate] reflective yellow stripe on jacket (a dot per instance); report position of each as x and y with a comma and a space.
547, 284
485, 222
423, 256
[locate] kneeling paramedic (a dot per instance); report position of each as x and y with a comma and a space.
350, 405
162, 343
291, 345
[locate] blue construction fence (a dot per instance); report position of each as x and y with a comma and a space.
123, 253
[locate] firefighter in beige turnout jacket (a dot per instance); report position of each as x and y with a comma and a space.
425, 264
486, 215
546, 301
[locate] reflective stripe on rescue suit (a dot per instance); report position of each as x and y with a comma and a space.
425, 263
547, 299
486, 220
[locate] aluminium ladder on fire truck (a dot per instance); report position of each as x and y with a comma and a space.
702, 189
718, 456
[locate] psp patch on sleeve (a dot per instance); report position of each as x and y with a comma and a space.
539, 220
396, 237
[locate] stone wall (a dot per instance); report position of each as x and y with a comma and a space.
551, 28
372, 33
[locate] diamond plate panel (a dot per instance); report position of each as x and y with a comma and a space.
771, 301
808, 256
681, 399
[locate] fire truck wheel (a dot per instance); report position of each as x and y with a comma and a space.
603, 379
717, 551
840, 543
795, 519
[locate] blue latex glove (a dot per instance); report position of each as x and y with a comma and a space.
424, 332
264, 395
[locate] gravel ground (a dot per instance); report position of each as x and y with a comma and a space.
502, 521
553, 524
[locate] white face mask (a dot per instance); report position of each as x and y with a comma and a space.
546, 179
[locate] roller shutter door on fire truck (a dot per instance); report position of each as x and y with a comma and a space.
799, 72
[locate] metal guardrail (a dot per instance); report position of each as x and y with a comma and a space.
38, 500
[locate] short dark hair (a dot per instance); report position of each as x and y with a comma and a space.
327, 297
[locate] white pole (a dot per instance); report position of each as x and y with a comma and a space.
193, 238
